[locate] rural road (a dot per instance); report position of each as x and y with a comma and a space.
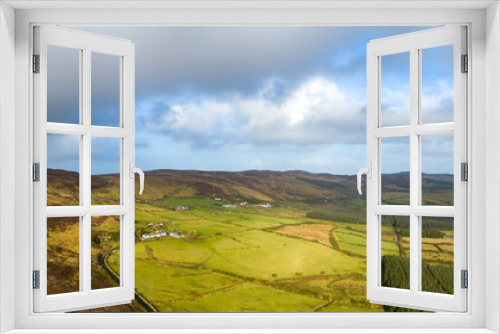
103, 261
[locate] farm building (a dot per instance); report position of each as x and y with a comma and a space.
157, 234
267, 205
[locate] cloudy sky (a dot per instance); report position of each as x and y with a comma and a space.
239, 98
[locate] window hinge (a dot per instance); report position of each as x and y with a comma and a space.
464, 171
465, 64
36, 279
36, 63
465, 279
36, 172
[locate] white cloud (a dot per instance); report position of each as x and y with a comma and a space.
437, 103
395, 106
316, 112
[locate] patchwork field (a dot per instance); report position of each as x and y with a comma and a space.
239, 254
251, 262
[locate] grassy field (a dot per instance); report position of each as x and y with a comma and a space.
253, 259
248, 259
298, 254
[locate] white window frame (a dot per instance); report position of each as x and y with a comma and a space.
86, 44
413, 44
483, 315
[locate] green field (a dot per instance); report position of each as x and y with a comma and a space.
240, 262
304, 252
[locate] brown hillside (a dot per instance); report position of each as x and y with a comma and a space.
245, 185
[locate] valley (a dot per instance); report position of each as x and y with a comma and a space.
252, 241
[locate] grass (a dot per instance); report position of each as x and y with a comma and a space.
250, 260
207, 228
264, 254
312, 232
173, 250
250, 297
163, 284
254, 254
296, 256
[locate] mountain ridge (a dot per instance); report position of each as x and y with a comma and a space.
248, 185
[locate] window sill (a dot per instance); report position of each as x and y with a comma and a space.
251, 331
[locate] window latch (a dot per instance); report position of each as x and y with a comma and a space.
139, 171
368, 171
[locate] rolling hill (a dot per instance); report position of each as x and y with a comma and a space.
252, 185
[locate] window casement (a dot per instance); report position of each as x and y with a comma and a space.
415, 294
82, 131
480, 244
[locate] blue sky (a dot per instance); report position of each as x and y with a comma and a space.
239, 98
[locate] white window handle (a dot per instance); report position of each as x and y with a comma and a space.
139, 171
368, 171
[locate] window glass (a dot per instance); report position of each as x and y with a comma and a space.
63, 85
395, 89
63, 170
105, 90
63, 255
105, 252
437, 254
395, 252
437, 169
437, 95
395, 167
105, 184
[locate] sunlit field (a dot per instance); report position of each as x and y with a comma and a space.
205, 251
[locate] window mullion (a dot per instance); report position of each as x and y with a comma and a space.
81, 178
414, 170
86, 172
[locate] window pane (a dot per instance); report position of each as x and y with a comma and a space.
63, 255
395, 168
437, 169
105, 171
105, 243
437, 84
395, 89
63, 166
437, 254
63, 85
105, 90
395, 252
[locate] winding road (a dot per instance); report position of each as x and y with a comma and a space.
104, 264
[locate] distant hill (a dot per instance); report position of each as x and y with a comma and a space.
251, 185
